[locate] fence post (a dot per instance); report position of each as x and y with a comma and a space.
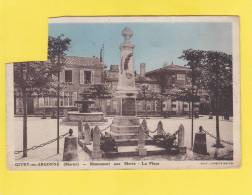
87, 137
200, 144
141, 142
160, 130
70, 147
144, 125
181, 136
96, 153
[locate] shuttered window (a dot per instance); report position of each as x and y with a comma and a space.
68, 76
87, 77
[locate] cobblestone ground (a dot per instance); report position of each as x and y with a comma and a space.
42, 130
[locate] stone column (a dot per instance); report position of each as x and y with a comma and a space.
87, 136
126, 124
126, 77
141, 142
96, 153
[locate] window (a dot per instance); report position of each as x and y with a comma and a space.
70, 99
196, 105
46, 101
87, 77
66, 96
75, 97
181, 77
53, 101
68, 76
174, 105
61, 101
41, 101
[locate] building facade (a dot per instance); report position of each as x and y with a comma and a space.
77, 74
155, 97
173, 78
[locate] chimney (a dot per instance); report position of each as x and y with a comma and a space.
142, 69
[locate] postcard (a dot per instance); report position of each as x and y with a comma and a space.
128, 93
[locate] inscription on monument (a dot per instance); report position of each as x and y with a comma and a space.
128, 107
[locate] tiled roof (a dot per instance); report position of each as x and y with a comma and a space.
114, 68
75, 60
176, 67
145, 79
171, 67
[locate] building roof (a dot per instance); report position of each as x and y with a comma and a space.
114, 68
113, 72
75, 60
171, 67
140, 79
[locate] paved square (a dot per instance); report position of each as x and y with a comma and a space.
40, 131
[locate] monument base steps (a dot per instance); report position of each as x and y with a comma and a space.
75, 123
122, 136
142, 151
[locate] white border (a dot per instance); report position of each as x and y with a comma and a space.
146, 19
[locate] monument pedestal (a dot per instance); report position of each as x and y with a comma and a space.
125, 124
124, 127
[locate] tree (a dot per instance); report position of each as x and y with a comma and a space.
217, 78
147, 94
100, 91
184, 95
31, 78
212, 71
57, 47
194, 60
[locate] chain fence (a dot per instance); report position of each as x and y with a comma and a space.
175, 133
42, 145
51, 141
152, 131
209, 134
104, 129
221, 140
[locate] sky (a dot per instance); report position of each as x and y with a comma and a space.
155, 43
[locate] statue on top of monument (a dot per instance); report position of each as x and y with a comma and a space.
127, 33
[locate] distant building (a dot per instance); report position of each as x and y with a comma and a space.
77, 74
172, 78
159, 86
